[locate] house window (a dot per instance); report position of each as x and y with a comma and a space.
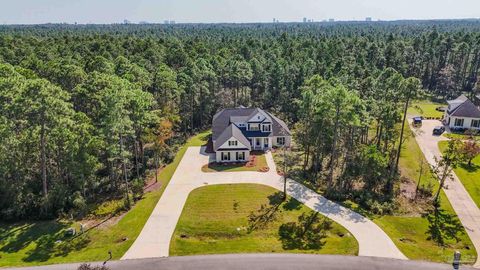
241, 125
253, 127
232, 143
475, 123
459, 122
280, 140
240, 155
266, 128
225, 155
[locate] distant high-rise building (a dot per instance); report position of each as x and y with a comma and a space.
331, 20
172, 22
166, 22
126, 21
274, 20
304, 19
368, 19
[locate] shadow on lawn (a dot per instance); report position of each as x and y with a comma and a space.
266, 214
309, 232
470, 168
443, 226
48, 240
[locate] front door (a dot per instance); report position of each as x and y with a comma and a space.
257, 143
265, 142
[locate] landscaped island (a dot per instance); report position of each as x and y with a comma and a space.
215, 219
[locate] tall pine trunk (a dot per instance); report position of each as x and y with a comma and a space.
124, 168
43, 161
334, 146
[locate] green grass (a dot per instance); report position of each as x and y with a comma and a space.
213, 227
410, 232
260, 163
34, 243
468, 175
459, 136
426, 109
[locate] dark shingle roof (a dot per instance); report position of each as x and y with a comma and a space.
465, 109
229, 132
223, 118
454, 103
279, 128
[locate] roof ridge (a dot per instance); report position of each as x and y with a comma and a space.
467, 102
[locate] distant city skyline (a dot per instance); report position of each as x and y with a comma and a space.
230, 11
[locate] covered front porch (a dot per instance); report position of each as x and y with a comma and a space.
260, 143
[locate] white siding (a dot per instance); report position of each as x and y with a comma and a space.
257, 117
218, 155
467, 122
239, 144
288, 141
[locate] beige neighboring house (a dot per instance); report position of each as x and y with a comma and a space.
462, 114
237, 131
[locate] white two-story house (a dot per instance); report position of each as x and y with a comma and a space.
236, 132
462, 114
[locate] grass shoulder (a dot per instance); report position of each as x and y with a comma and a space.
468, 175
411, 227
209, 227
44, 242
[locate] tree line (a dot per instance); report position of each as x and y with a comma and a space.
87, 111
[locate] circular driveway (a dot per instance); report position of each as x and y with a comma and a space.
154, 240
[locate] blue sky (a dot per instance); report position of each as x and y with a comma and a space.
111, 11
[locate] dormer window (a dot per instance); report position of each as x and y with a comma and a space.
267, 128
253, 127
232, 143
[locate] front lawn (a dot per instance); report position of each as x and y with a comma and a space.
215, 220
35, 243
426, 109
257, 162
468, 175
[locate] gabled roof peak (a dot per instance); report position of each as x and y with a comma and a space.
231, 131
463, 107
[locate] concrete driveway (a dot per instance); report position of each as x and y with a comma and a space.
154, 240
466, 209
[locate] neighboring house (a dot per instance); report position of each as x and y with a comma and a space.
462, 114
236, 132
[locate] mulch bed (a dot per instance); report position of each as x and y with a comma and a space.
252, 162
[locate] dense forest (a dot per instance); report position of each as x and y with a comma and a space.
87, 110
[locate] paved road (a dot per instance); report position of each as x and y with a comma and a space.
261, 262
154, 240
466, 209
